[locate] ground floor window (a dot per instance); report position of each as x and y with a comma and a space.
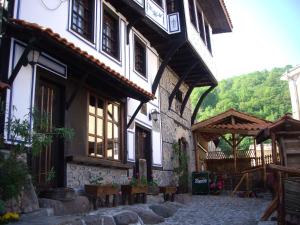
104, 120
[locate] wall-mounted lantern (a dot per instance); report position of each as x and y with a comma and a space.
154, 115
33, 57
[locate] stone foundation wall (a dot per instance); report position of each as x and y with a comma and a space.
79, 175
173, 128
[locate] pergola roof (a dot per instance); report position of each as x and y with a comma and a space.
283, 125
230, 122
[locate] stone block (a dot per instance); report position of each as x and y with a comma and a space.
162, 210
126, 217
99, 220
57, 206
147, 215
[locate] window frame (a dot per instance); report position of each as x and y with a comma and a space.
120, 124
138, 40
159, 4
114, 16
193, 17
91, 38
173, 4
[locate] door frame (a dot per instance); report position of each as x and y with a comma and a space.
149, 131
60, 82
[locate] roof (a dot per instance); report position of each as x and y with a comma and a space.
230, 121
217, 15
284, 125
43, 31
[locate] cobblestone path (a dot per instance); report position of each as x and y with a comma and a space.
219, 210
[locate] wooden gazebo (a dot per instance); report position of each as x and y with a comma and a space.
238, 124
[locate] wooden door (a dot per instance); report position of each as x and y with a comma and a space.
143, 150
49, 106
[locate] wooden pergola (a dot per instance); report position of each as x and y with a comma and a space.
238, 124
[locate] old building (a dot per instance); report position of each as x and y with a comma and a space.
292, 76
118, 72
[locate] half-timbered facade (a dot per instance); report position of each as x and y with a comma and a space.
106, 69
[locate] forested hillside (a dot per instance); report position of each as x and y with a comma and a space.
260, 93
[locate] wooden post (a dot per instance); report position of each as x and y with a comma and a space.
274, 151
197, 166
234, 151
263, 164
255, 153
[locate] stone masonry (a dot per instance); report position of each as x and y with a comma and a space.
173, 127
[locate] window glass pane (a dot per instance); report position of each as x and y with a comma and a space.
116, 131
109, 111
92, 105
92, 124
116, 113
109, 130
100, 107
91, 144
109, 151
116, 150
99, 147
99, 127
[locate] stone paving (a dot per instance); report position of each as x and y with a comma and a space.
218, 210
194, 210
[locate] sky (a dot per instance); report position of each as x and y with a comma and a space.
266, 34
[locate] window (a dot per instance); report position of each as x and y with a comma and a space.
179, 96
104, 128
110, 34
208, 42
171, 6
200, 24
192, 12
83, 18
140, 57
158, 2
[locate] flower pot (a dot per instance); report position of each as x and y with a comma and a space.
100, 190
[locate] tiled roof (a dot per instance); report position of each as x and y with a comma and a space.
244, 126
55, 36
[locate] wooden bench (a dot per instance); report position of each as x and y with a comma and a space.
129, 192
169, 192
97, 192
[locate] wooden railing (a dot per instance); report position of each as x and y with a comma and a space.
240, 154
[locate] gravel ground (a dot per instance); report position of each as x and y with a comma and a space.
218, 210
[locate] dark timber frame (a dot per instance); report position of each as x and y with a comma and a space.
22, 61
201, 99
180, 81
186, 98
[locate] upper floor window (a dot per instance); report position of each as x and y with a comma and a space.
104, 128
201, 24
83, 18
140, 57
207, 32
158, 2
110, 33
171, 6
192, 12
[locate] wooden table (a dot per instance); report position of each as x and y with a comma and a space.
97, 192
129, 192
169, 192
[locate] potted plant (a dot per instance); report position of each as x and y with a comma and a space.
153, 188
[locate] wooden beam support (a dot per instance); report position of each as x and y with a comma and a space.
239, 184
239, 142
228, 142
174, 46
197, 107
186, 99
134, 114
234, 148
271, 208
180, 81
274, 151
284, 169
22, 61
75, 91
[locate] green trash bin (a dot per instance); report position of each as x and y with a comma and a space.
200, 183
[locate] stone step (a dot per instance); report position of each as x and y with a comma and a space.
267, 223
42, 212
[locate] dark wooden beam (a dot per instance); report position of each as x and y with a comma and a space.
200, 102
180, 81
174, 46
228, 142
134, 114
185, 100
75, 91
22, 60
